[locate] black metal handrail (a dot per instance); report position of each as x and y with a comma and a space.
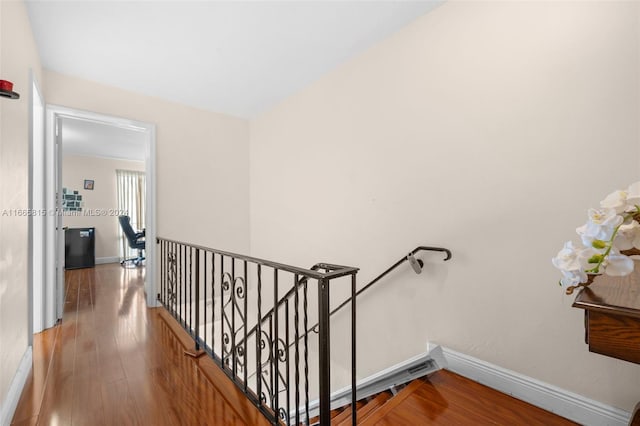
332, 271
189, 271
382, 275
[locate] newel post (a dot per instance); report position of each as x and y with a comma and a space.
325, 353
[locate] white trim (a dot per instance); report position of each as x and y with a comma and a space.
404, 372
10, 403
103, 260
37, 201
564, 403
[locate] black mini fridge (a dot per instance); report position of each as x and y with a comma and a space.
79, 248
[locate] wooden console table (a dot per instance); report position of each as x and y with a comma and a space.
612, 319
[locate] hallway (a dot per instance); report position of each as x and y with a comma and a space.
112, 361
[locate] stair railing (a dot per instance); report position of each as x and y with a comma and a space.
409, 258
217, 297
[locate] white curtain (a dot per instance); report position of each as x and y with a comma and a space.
131, 200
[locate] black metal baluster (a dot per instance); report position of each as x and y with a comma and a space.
161, 288
274, 342
171, 276
165, 252
184, 290
213, 302
222, 357
354, 390
193, 333
175, 280
244, 342
306, 352
160, 294
197, 327
324, 352
271, 359
286, 315
296, 362
204, 297
179, 301
234, 359
259, 336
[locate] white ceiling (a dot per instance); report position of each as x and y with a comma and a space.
94, 139
235, 57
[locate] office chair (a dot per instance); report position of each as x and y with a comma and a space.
135, 239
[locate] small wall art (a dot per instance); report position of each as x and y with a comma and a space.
71, 200
88, 184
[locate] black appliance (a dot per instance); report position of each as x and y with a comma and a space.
79, 248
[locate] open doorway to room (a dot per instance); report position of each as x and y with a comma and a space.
92, 154
103, 178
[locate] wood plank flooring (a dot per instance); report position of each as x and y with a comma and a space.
445, 398
112, 361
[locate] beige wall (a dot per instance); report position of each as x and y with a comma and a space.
102, 201
201, 157
17, 55
485, 127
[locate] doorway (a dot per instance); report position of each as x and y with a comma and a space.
62, 123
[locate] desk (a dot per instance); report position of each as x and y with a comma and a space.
612, 319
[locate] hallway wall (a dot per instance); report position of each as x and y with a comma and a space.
202, 161
485, 127
18, 54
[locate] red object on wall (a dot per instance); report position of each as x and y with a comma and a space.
5, 85
6, 90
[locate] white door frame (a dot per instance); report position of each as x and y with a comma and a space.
37, 208
55, 251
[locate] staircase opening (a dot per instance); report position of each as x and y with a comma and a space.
267, 326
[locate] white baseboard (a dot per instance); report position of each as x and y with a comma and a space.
103, 260
548, 397
9, 405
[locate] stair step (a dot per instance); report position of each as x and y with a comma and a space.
369, 407
334, 413
392, 402
345, 416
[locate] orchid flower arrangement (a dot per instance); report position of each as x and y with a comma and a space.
610, 236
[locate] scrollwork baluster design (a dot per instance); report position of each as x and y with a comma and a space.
227, 324
239, 312
172, 277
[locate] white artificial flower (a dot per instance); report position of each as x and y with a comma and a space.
572, 278
573, 262
601, 225
618, 265
628, 236
633, 196
617, 215
567, 259
617, 201
605, 217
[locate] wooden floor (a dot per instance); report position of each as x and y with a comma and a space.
112, 361
445, 398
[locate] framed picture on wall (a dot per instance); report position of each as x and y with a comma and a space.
88, 184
